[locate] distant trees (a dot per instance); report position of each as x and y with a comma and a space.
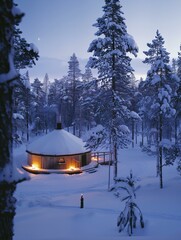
26, 55
114, 69
39, 103
23, 107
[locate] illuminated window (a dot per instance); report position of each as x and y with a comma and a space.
61, 161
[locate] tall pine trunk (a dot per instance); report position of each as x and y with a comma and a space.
6, 103
133, 132
161, 150
8, 18
176, 126
114, 113
7, 210
142, 133
73, 102
7, 186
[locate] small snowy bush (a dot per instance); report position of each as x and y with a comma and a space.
131, 213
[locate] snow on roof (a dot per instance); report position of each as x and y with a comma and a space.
57, 142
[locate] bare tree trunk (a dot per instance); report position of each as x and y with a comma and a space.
6, 103
136, 133
176, 138
133, 126
27, 126
7, 210
142, 133
161, 150
115, 160
158, 160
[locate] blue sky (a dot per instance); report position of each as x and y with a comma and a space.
60, 28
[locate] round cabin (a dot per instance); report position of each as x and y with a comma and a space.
58, 151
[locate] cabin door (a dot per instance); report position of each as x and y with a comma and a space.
84, 160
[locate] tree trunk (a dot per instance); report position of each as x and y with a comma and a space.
6, 93
160, 150
136, 133
176, 138
133, 126
27, 126
142, 133
158, 159
7, 210
115, 160
114, 113
74, 102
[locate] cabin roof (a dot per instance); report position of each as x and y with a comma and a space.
58, 142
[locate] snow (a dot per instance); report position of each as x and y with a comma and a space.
18, 116
16, 11
134, 115
13, 171
156, 79
132, 44
48, 206
124, 129
33, 48
166, 143
57, 142
26, 83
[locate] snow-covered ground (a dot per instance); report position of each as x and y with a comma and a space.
48, 206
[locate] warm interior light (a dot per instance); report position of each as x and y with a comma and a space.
94, 158
35, 166
71, 168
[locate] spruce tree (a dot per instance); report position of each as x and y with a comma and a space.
25, 53
110, 59
9, 17
46, 86
177, 99
39, 101
74, 74
160, 87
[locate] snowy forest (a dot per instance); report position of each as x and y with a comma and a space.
111, 109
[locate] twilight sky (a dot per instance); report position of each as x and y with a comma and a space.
60, 28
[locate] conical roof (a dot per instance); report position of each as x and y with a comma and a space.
58, 142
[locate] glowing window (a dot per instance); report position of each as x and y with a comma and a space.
61, 160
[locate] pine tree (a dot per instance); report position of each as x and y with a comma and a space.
9, 17
74, 74
131, 213
23, 103
177, 99
25, 53
39, 101
87, 76
46, 86
59, 100
114, 69
160, 87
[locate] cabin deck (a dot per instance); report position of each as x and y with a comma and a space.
60, 171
